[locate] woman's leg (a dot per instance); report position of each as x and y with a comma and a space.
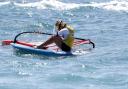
54, 39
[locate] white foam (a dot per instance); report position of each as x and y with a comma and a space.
116, 5
54, 4
113, 5
4, 3
36, 4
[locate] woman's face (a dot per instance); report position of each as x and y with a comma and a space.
57, 27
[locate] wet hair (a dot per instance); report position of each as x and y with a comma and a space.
57, 23
60, 24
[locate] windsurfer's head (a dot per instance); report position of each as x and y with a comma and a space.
60, 25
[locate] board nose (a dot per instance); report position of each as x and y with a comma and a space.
6, 42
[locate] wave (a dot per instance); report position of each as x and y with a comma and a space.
4, 3
53, 4
116, 5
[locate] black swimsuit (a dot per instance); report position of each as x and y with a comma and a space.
65, 48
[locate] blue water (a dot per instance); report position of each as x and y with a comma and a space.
105, 22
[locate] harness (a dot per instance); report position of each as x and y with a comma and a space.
70, 39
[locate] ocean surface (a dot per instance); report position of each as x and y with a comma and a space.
105, 22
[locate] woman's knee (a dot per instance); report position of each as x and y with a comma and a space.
56, 37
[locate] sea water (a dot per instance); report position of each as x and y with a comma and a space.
105, 22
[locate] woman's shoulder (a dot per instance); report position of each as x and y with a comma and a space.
64, 29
